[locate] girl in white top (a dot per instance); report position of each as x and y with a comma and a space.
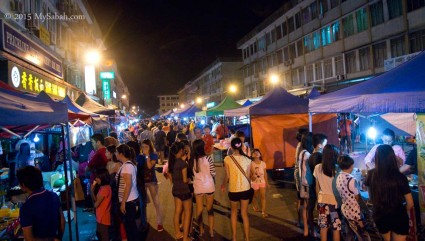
127, 191
239, 185
327, 205
259, 181
203, 184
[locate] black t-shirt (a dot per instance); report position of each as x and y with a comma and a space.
160, 138
171, 137
397, 203
412, 161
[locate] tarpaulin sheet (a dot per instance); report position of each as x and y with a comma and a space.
275, 135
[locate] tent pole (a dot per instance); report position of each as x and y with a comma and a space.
310, 122
74, 207
65, 169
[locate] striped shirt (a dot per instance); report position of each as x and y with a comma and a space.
128, 169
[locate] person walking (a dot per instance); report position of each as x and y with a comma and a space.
203, 184
160, 140
237, 171
259, 181
146, 161
102, 203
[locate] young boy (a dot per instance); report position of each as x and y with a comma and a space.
346, 186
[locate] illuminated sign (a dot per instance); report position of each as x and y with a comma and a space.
90, 79
210, 104
107, 75
21, 46
44, 35
106, 88
114, 94
29, 81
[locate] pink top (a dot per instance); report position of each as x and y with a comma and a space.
103, 211
369, 160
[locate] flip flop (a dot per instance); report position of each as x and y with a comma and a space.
265, 215
256, 209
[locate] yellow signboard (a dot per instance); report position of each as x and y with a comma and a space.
44, 35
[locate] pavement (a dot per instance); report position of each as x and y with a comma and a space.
280, 225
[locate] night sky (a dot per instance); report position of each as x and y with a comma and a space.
160, 45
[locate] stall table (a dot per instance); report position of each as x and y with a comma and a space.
219, 153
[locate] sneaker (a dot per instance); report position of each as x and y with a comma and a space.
160, 228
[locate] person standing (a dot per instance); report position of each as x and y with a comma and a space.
146, 161
41, 215
344, 126
326, 201
98, 160
390, 194
259, 181
160, 140
128, 195
300, 201
102, 203
208, 140
203, 184
237, 171
222, 131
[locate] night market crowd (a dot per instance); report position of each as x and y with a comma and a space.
122, 170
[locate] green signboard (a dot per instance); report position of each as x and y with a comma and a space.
107, 75
106, 87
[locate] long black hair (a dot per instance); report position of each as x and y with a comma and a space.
198, 152
127, 151
329, 159
236, 144
175, 148
112, 149
384, 185
307, 142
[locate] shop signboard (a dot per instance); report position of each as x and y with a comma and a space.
44, 35
107, 75
29, 81
23, 47
210, 104
106, 88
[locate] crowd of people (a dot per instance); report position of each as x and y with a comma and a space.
324, 181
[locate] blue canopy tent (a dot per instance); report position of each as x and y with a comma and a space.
313, 93
91, 105
247, 103
275, 120
187, 112
99, 122
400, 90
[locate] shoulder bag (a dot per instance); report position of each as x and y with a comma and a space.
251, 190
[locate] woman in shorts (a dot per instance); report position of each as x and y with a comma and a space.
259, 181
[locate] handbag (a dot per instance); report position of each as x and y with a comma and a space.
251, 190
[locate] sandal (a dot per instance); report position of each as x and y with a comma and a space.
265, 215
179, 237
256, 209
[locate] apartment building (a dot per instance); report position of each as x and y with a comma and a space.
168, 102
330, 43
45, 43
212, 84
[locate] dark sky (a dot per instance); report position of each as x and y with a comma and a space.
159, 45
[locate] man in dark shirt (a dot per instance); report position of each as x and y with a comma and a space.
319, 142
411, 164
160, 139
41, 215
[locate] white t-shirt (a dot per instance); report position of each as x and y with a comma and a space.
326, 194
203, 181
258, 170
237, 181
128, 168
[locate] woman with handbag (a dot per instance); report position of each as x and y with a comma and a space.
238, 166
147, 161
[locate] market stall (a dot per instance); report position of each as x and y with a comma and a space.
187, 112
400, 90
20, 115
282, 111
227, 104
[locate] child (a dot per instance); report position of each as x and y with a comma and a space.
209, 141
346, 185
102, 203
259, 181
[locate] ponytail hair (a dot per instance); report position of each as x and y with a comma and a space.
236, 144
199, 152
127, 151
175, 148
112, 149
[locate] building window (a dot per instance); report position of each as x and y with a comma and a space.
339, 65
395, 8
292, 51
279, 32
280, 56
273, 35
298, 20
417, 41
309, 73
335, 33
288, 77
334, 3
323, 7
284, 29
286, 53
316, 40
163, 104
300, 48
162, 98
414, 4
377, 13
348, 24
350, 60
326, 35
379, 54
397, 47
301, 75
364, 57
274, 58
361, 18
306, 15
295, 79
318, 71
327, 64
262, 43
313, 10
168, 98
291, 25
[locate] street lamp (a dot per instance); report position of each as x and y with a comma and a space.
93, 57
124, 97
199, 100
233, 89
181, 106
274, 79
134, 107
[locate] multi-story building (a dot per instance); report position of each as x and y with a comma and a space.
329, 43
168, 102
213, 82
45, 43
